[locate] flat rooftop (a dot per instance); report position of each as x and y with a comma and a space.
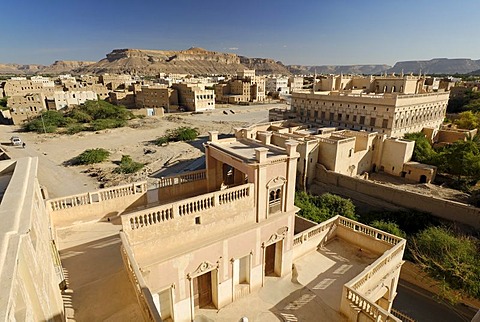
245, 149
313, 290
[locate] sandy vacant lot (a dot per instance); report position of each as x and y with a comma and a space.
55, 150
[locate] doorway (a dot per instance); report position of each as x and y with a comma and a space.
202, 290
270, 260
423, 178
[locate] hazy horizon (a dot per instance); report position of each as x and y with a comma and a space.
303, 33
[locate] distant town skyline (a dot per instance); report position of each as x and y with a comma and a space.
304, 32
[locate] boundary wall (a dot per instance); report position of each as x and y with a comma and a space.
443, 208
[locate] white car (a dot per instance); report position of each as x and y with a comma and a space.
16, 140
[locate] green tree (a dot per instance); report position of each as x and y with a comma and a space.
462, 158
47, 121
449, 258
389, 227
324, 207
423, 151
92, 156
467, 120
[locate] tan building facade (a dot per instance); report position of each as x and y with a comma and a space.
26, 107
157, 96
391, 114
194, 97
244, 88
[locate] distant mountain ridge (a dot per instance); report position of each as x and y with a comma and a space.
200, 61
339, 69
437, 66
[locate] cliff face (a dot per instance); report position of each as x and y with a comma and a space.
437, 66
264, 66
152, 62
65, 66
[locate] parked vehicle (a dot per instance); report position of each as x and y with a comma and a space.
16, 140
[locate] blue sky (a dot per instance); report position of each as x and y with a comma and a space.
310, 32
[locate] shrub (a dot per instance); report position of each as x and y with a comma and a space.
127, 165
161, 140
183, 133
324, 207
92, 156
449, 258
74, 128
48, 122
389, 227
81, 116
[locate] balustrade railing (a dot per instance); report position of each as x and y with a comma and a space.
97, 196
305, 235
369, 231
368, 308
143, 293
157, 215
182, 178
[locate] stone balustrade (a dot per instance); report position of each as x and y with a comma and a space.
380, 267
97, 196
168, 212
374, 233
144, 296
304, 236
375, 312
182, 178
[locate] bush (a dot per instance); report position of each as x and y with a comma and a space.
449, 258
100, 110
50, 122
161, 140
74, 128
92, 156
324, 207
127, 165
81, 116
183, 133
389, 227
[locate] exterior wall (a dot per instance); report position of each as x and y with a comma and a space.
442, 208
394, 154
26, 107
72, 98
295, 84
277, 85
125, 98
392, 114
156, 96
195, 97
31, 271
418, 172
21, 87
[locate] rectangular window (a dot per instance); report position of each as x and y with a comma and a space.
339, 116
354, 118
372, 121
331, 117
362, 120
384, 123
323, 115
